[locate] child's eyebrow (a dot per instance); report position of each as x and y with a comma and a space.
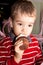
31, 23
22, 21
18, 21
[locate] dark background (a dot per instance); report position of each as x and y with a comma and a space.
5, 8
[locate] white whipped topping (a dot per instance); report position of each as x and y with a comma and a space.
19, 36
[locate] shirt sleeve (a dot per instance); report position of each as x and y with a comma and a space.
39, 57
5, 49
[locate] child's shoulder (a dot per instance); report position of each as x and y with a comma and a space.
5, 40
34, 41
33, 38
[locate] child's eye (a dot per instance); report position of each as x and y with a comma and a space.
29, 25
19, 24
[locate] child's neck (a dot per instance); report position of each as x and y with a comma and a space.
18, 57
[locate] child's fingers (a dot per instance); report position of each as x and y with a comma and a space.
21, 43
18, 43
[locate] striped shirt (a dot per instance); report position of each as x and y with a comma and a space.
29, 57
5, 49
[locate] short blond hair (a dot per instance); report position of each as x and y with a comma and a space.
22, 6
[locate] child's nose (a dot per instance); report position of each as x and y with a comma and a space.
24, 29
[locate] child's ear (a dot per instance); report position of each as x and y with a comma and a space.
10, 20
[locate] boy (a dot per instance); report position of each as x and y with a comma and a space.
23, 17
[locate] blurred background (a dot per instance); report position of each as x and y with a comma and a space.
5, 10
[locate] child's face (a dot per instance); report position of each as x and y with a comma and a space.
23, 24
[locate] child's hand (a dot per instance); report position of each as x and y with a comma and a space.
21, 44
17, 45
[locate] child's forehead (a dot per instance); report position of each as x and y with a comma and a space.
25, 16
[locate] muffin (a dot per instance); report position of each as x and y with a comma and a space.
25, 41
